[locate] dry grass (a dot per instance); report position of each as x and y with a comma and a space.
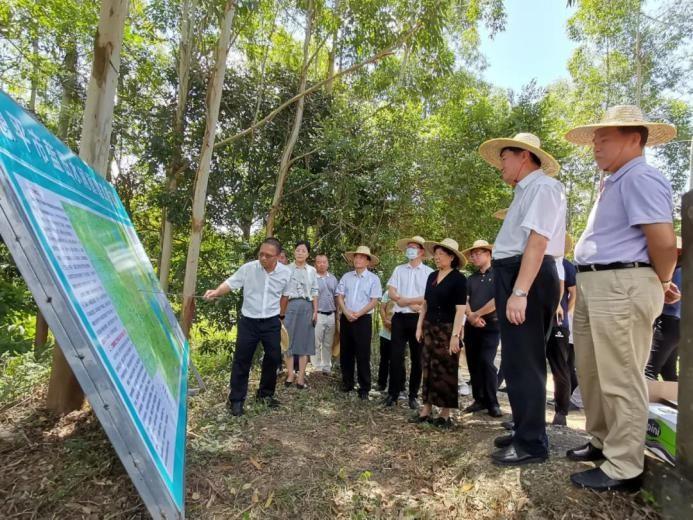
321, 455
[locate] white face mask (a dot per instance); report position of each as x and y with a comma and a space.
412, 253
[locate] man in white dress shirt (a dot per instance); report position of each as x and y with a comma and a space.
525, 257
263, 282
406, 288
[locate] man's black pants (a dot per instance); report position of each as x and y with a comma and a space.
403, 332
665, 341
481, 346
523, 349
385, 360
355, 351
251, 332
558, 353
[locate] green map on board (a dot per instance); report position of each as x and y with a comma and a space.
129, 281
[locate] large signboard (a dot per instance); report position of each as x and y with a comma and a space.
77, 249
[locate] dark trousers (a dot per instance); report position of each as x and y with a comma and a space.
665, 341
355, 352
385, 359
481, 346
557, 352
403, 332
250, 333
523, 350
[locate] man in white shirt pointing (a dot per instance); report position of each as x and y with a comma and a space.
263, 282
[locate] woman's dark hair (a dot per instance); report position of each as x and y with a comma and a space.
516, 150
455, 259
303, 243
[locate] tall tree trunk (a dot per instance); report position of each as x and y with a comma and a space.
285, 162
68, 81
332, 55
64, 392
213, 100
185, 50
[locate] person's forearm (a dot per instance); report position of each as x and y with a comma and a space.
661, 248
531, 261
315, 305
341, 304
392, 293
371, 305
383, 313
422, 314
572, 292
487, 308
283, 302
457, 325
415, 301
223, 289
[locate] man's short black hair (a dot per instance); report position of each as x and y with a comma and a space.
273, 242
303, 243
515, 149
455, 259
642, 131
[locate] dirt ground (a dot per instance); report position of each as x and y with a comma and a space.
321, 455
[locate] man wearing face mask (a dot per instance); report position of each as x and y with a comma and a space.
526, 280
406, 287
625, 261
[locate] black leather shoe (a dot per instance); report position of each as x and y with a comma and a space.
418, 419
514, 456
413, 403
235, 407
363, 396
380, 388
508, 425
495, 411
443, 422
390, 401
559, 420
585, 453
503, 441
474, 407
597, 480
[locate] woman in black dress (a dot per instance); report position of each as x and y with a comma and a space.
440, 328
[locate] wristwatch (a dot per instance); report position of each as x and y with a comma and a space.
520, 293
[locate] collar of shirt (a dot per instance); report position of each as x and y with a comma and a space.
625, 169
530, 179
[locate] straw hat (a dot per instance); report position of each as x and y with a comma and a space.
478, 244
501, 213
402, 244
361, 250
490, 151
623, 115
449, 244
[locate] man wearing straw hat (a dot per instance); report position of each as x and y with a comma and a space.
526, 279
481, 333
406, 287
358, 293
625, 260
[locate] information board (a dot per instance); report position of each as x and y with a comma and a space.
77, 249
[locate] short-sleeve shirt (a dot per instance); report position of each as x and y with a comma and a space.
442, 298
359, 289
409, 282
480, 288
303, 282
570, 281
327, 286
261, 290
636, 194
538, 205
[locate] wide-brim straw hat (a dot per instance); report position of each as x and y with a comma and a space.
449, 244
501, 213
478, 244
361, 250
623, 115
416, 239
491, 150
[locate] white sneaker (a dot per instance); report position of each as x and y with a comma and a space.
463, 389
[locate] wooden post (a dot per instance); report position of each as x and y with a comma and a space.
64, 392
684, 427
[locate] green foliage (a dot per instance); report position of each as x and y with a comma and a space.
20, 373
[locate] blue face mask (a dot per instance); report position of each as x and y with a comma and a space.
412, 253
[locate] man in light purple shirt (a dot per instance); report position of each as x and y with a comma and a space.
625, 261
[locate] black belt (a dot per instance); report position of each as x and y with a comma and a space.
609, 267
407, 313
517, 259
260, 319
326, 313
